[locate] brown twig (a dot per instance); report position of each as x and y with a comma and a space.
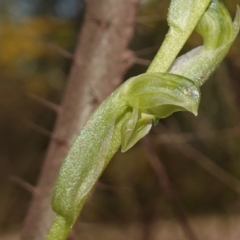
104, 186
23, 184
146, 51
44, 102
130, 58
209, 166
143, 62
203, 161
37, 128
152, 18
166, 186
60, 50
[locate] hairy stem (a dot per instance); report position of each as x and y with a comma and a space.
182, 19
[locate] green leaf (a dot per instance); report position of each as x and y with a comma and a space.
88, 157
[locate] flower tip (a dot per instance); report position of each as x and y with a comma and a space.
124, 149
237, 17
195, 113
194, 110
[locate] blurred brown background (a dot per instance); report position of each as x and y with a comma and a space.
201, 154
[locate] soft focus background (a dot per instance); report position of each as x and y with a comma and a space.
201, 154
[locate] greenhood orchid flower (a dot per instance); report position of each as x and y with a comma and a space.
153, 96
128, 114
218, 33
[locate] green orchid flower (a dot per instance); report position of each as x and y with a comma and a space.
128, 114
218, 33
153, 96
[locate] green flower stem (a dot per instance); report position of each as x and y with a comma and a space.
183, 17
60, 229
86, 160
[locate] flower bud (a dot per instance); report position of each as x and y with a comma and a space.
215, 26
218, 33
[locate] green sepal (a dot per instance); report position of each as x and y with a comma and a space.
133, 131
161, 94
215, 26
153, 96
128, 129
155, 120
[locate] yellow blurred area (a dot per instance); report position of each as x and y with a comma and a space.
26, 39
37, 86
27, 59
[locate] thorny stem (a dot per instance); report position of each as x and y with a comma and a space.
94, 50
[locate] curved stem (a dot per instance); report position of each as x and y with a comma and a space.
59, 230
182, 18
